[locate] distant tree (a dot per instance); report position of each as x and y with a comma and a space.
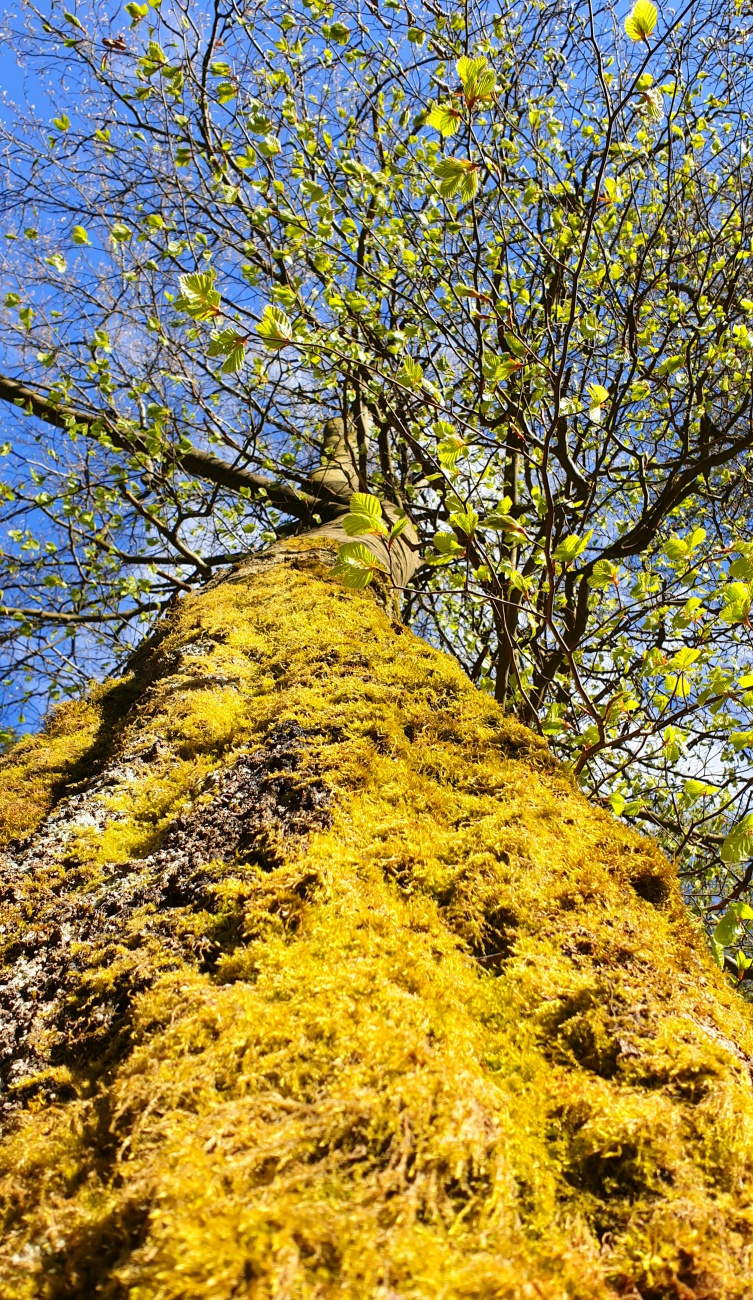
511, 251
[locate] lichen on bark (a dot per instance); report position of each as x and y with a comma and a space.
328, 982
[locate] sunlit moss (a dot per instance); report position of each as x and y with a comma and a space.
35, 771
446, 1048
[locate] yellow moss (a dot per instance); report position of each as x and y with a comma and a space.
37, 769
448, 1048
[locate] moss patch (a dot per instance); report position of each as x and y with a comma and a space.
409, 1018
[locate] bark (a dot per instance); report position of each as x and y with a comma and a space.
322, 979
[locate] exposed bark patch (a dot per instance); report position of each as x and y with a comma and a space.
71, 975
265, 798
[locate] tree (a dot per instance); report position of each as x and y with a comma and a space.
321, 974
322, 978
518, 244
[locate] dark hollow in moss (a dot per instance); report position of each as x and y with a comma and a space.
652, 887
498, 938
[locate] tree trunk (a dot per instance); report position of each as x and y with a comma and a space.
324, 980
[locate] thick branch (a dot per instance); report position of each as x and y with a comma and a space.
201, 464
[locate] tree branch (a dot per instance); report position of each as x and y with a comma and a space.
202, 464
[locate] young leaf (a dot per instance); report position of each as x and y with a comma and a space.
504, 523
571, 547
457, 175
120, 233
366, 504
450, 450
598, 395
274, 328
736, 607
652, 104
411, 373
356, 565
670, 365
465, 521
136, 12
365, 516
738, 845
198, 297
725, 931
603, 575
742, 568
445, 118
232, 346
641, 21
478, 79
79, 235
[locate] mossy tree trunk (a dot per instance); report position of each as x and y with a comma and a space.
323, 980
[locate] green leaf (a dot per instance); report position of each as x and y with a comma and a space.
742, 568
445, 118
448, 546
641, 21
231, 345
57, 262
198, 297
571, 547
366, 504
727, 930
738, 845
136, 12
501, 522
741, 740
604, 574
477, 77
450, 450
358, 525
73, 20
652, 104
269, 146
274, 328
337, 32
457, 176
694, 790
465, 521
736, 606
356, 565
79, 235
365, 516
516, 346
670, 365
62, 123
120, 233
411, 373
